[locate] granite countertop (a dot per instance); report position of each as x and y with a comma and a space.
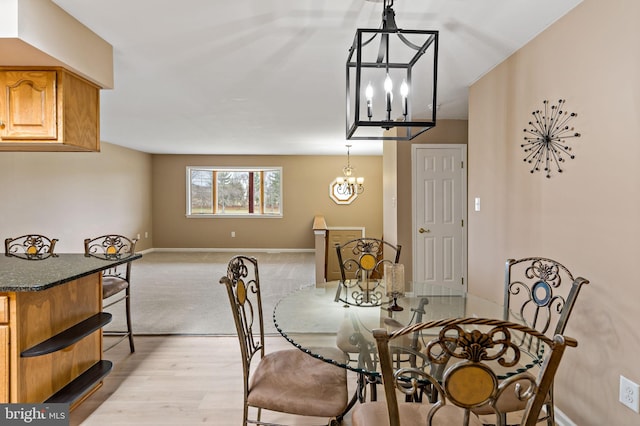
17, 274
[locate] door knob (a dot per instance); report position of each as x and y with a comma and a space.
422, 230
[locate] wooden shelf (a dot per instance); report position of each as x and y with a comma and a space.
81, 384
69, 336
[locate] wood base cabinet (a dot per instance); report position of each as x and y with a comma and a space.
54, 350
4, 349
48, 110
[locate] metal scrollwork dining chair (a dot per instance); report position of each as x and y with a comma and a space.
116, 281
30, 247
541, 293
361, 263
286, 381
475, 348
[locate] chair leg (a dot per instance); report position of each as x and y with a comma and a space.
374, 390
128, 314
551, 416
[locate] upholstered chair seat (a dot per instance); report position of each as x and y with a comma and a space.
113, 285
293, 382
411, 414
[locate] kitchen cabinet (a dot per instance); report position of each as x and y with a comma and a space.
4, 350
51, 321
48, 110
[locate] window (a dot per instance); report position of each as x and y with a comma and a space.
239, 192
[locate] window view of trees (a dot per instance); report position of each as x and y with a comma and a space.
273, 191
234, 191
201, 192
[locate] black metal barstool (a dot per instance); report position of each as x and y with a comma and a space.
116, 281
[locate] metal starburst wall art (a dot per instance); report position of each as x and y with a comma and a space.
546, 147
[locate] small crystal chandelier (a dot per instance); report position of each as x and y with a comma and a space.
404, 61
349, 184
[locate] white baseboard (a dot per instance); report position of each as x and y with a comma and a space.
562, 419
232, 250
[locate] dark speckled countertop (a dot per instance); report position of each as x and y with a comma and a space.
18, 274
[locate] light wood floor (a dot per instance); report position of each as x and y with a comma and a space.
176, 380
180, 381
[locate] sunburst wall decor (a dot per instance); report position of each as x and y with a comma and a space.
546, 147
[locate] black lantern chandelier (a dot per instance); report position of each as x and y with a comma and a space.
391, 81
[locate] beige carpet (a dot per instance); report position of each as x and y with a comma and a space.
179, 292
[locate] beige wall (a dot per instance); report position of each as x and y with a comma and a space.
75, 195
306, 194
587, 216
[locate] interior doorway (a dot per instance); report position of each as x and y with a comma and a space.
439, 213
338, 235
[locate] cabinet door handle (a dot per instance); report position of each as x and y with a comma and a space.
422, 230
1, 124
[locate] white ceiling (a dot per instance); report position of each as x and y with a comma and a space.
268, 76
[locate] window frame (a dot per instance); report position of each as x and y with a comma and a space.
246, 169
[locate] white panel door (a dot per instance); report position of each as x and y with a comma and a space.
439, 214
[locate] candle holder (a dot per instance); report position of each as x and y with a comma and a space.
393, 305
394, 281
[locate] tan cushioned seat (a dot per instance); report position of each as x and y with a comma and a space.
292, 381
411, 414
112, 285
508, 401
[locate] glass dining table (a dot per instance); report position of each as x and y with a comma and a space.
326, 313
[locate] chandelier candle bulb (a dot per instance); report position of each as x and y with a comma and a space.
404, 91
369, 96
388, 88
388, 84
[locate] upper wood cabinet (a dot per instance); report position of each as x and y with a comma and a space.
48, 110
